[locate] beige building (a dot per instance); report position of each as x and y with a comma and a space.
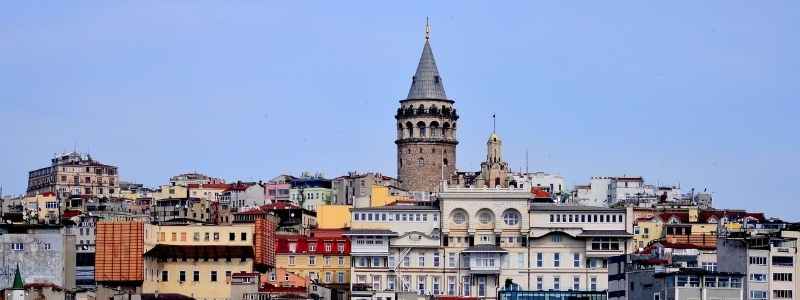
196, 260
484, 232
74, 174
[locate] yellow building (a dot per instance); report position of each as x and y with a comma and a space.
170, 191
196, 260
42, 208
324, 256
333, 217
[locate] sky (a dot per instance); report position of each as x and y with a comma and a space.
697, 94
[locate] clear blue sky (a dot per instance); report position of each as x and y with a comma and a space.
704, 94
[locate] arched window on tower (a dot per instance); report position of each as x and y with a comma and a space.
435, 129
497, 181
420, 162
410, 128
446, 130
422, 129
444, 161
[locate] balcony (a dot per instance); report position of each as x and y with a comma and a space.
484, 259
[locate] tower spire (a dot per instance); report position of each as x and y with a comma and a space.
427, 28
426, 83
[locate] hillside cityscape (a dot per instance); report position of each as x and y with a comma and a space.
435, 229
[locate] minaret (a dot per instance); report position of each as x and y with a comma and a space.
426, 128
18, 289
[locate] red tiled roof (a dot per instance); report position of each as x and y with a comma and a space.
682, 217
269, 207
70, 213
539, 192
220, 186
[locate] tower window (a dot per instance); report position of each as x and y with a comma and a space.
444, 161
433, 150
420, 150
420, 162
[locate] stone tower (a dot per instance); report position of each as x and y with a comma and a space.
426, 129
494, 171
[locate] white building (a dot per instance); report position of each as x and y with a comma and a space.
396, 249
552, 183
607, 190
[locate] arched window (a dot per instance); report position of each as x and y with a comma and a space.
485, 216
421, 126
511, 217
497, 181
435, 129
444, 161
445, 129
410, 128
420, 162
459, 216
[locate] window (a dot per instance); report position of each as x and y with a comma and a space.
511, 217
605, 244
782, 276
291, 260
206, 236
244, 236
556, 260
174, 236
656, 296
312, 247
482, 286
710, 266
164, 276
758, 277
312, 260
467, 285
406, 261
341, 260
340, 277
213, 276
216, 236
182, 276
327, 260
758, 260
593, 283
557, 283
390, 282
421, 261
231, 236
783, 261
435, 285
420, 161
485, 217
576, 260
451, 260
196, 276
539, 283
459, 218
328, 277
376, 262
340, 246
758, 295
436, 259
539, 259
293, 247
555, 238
576, 283
421, 284
17, 246
782, 294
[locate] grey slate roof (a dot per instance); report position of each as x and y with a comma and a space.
427, 84
395, 208
553, 207
484, 248
601, 233
370, 232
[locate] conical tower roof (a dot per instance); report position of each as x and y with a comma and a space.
427, 84
18, 283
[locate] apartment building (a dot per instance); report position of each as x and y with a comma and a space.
74, 174
569, 246
768, 262
396, 249
197, 260
45, 255
323, 256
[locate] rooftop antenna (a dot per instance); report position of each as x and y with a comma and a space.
427, 28
526, 161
